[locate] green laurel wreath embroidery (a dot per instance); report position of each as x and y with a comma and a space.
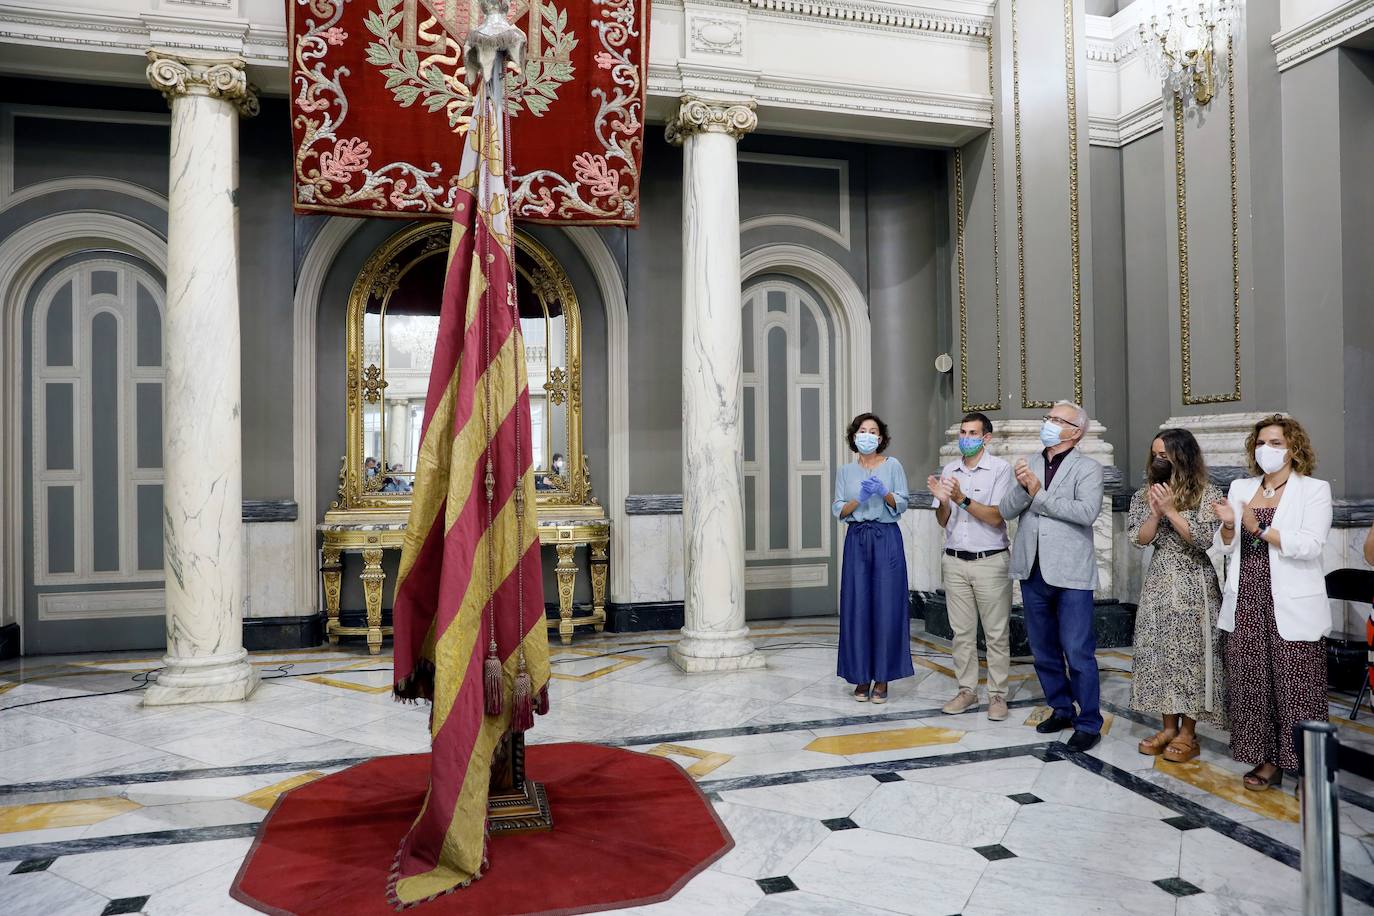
410, 82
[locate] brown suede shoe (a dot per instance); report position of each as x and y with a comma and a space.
963, 701
997, 707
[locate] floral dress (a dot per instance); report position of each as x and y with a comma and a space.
1178, 661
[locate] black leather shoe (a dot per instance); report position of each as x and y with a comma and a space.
1084, 741
1053, 724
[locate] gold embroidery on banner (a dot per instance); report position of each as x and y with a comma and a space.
1184, 286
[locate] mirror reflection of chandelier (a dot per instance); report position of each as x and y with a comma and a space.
415, 336
1184, 46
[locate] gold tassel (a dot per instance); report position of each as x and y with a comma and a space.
491, 676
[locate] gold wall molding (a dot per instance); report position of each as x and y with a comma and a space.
996, 267
1075, 238
1184, 286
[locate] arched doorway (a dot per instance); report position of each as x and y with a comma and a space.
789, 450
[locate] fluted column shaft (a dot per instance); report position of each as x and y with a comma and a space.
714, 637
202, 493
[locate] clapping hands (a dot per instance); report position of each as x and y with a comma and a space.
939, 487
1161, 499
1026, 477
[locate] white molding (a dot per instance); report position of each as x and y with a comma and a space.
106, 605
1131, 126
10, 197
24, 255
1318, 35
973, 24
612, 287
846, 303
812, 575
319, 258
841, 236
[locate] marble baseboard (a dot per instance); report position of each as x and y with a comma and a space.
9, 641
270, 510
640, 616
653, 504
1114, 623
302, 632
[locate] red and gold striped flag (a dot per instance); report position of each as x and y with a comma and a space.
469, 608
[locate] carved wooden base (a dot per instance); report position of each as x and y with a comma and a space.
515, 804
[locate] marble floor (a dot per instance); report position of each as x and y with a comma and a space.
836, 807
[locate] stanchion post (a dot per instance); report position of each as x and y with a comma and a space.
1321, 853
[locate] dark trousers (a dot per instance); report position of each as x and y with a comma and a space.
1059, 623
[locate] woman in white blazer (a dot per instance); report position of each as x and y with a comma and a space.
1273, 606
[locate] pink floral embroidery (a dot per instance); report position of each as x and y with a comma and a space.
335, 36
545, 203
593, 172
604, 60
348, 156
305, 102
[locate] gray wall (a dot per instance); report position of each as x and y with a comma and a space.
1110, 378
1357, 234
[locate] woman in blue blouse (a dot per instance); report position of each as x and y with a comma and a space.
870, 495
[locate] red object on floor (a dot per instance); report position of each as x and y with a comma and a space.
628, 829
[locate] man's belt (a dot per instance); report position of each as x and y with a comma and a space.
974, 555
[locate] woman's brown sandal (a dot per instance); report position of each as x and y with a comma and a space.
861, 693
1181, 750
878, 696
1155, 745
1257, 783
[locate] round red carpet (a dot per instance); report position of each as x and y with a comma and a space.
629, 829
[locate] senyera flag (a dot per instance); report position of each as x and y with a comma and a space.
469, 609
378, 102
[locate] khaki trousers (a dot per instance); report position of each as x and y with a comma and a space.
979, 589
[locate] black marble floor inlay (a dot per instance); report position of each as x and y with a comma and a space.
43, 854
994, 852
31, 865
1026, 798
131, 779
714, 796
888, 777
840, 823
1184, 822
124, 905
779, 885
1178, 887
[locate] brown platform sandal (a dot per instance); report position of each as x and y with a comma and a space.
1181, 751
1257, 783
1155, 745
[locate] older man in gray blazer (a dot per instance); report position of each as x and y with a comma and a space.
1058, 496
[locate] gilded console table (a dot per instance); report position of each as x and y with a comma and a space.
372, 539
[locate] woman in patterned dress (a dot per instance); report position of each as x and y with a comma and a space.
1177, 671
1274, 526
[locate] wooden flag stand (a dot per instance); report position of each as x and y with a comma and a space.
515, 804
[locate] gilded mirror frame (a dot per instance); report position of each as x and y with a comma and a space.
379, 279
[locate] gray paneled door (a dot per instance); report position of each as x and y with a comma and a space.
93, 449
789, 451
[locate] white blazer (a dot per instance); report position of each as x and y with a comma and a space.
1303, 520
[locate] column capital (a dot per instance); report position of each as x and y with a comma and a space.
224, 78
706, 116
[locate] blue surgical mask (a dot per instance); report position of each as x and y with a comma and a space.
970, 445
1050, 434
866, 443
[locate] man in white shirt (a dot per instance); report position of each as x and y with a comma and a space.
975, 563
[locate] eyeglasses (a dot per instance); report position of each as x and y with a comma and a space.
1051, 418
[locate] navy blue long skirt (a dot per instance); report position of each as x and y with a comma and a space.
875, 637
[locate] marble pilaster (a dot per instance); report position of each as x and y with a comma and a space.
397, 432
1220, 435
202, 496
714, 637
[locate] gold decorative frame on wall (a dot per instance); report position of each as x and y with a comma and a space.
379, 279
1184, 286
960, 217
1075, 248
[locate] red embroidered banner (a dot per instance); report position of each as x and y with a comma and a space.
379, 107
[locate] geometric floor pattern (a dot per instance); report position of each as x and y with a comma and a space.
836, 807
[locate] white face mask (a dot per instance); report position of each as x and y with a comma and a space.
1270, 459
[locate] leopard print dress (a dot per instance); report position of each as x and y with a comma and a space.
1178, 661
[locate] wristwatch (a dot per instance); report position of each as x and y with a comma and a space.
964, 502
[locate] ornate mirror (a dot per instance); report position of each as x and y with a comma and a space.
393, 322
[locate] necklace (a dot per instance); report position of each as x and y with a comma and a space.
1270, 491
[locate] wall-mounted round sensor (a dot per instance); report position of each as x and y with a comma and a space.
943, 363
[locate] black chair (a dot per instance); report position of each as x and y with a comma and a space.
1356, 585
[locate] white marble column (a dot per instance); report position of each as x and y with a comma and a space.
202, 495
714, 637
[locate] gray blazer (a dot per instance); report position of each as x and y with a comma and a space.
1057, 523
